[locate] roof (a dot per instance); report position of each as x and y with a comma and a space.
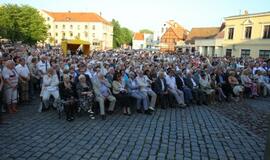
248, 15
76, 17
138, 36
202, 33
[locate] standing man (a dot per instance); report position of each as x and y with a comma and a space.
24, 77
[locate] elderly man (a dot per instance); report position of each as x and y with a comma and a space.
43, 65
161, 89
180, 82
10, 86
24, 77
102, 91
172, 87
145, 87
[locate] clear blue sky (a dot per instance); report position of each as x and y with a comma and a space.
138, 14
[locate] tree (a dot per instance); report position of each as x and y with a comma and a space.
120, 35
22, 23
146, 31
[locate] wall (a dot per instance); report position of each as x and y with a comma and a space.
239, 42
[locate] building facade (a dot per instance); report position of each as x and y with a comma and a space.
138, 41
89, 27
173, 37
247, 35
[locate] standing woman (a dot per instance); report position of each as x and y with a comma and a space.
10, 86
121, 94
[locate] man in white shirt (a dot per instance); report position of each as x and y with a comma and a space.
43, 65
172, 87
144, 83
24, 77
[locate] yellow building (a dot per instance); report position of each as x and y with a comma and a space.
85, 26
247, 35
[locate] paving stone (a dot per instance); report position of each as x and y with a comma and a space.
198, 132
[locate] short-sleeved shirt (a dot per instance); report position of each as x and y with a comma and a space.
10, 75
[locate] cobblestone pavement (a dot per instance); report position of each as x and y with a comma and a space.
252, 114
194, 133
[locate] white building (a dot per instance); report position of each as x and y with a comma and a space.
138, 41
85, 26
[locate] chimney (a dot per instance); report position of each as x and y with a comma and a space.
69, 11
245, 12
100, 14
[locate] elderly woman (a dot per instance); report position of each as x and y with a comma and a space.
236, 87
248, 83
10, 86
121, 94
68, 93
205, 85
49, 88
85, 95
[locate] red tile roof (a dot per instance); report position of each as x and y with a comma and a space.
76, 17
202, 33
138, 36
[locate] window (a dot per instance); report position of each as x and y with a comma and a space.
56, 41
245, 52
56, 34
228, 52
63, 26
86, 34
50, 34
63, 34
49, 26
264, 54
230, 33
248, 31
71, 34
79, 35
86, 27
93, 27
266, 32
71, 26
48, 18
56, 26
94, 35
78, 27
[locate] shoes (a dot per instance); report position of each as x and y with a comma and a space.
151, 108
148, 112
110, 112
139, 111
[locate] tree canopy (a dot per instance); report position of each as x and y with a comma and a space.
22, 23
121, 35
146, 31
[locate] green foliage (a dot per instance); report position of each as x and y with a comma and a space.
120, 35
22, 23
147, 31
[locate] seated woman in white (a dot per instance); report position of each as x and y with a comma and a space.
50, 87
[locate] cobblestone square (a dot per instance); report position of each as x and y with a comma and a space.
197, 132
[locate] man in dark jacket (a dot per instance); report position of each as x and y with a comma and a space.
194, 86
161, 90
180, 82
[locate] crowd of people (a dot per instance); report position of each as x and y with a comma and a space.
124, 79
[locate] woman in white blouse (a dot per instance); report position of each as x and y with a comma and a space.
50, 87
